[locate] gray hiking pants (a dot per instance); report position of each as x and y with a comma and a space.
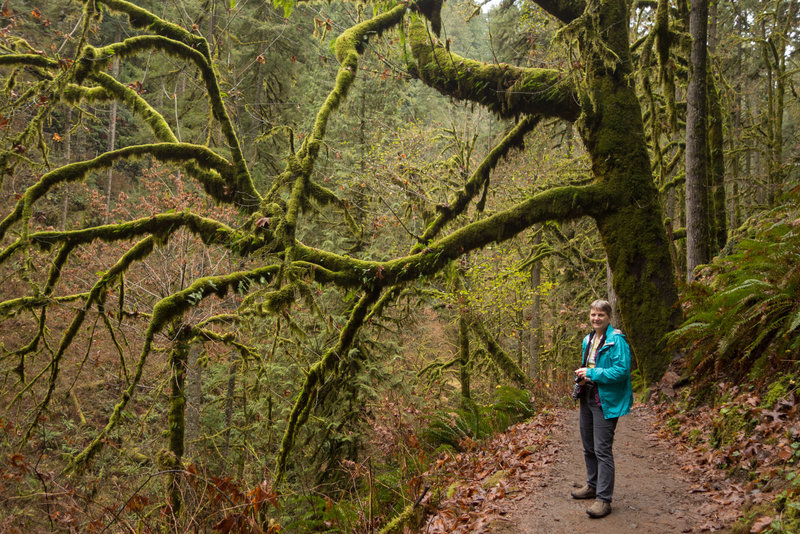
597, 436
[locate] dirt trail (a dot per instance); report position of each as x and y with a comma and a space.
651, 494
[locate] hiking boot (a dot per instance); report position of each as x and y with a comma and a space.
599, 509
586, 492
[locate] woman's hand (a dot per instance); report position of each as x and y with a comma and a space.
580, 374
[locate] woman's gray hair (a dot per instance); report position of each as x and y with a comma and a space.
602, 305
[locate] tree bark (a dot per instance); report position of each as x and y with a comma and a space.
535, 343
633, 235
697, 228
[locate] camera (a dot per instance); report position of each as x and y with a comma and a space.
577, 389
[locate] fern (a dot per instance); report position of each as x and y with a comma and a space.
746, 309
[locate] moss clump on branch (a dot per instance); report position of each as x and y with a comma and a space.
504, 89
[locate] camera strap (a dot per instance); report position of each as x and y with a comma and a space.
589, 347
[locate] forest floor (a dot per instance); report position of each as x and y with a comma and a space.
520, 482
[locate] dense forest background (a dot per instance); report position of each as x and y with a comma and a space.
253, 284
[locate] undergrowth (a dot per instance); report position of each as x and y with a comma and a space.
743, 314
458, 429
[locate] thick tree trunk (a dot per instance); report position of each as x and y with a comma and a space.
697, 227
633, 235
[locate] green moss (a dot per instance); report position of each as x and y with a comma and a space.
409, 517
504, 89
779, 389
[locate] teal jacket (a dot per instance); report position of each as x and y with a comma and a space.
612, 373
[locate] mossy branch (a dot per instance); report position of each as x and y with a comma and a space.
504, 89
12, 306
173, 39
165, 152
210, 231
316, 376
561, 203
160, 226
501, 359
165, 311
28, 60
347, 48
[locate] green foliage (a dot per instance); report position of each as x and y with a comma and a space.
743, 314
459, 428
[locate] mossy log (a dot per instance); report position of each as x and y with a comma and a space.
410, 517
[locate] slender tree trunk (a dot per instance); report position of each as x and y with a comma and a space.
229, 402
736, 129
68, 156
194, 390
716, 142
535, 344
177, 414
112, 136
463, 351
697, 231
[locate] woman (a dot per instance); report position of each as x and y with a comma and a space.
605, 395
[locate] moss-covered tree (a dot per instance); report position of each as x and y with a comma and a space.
278, 269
